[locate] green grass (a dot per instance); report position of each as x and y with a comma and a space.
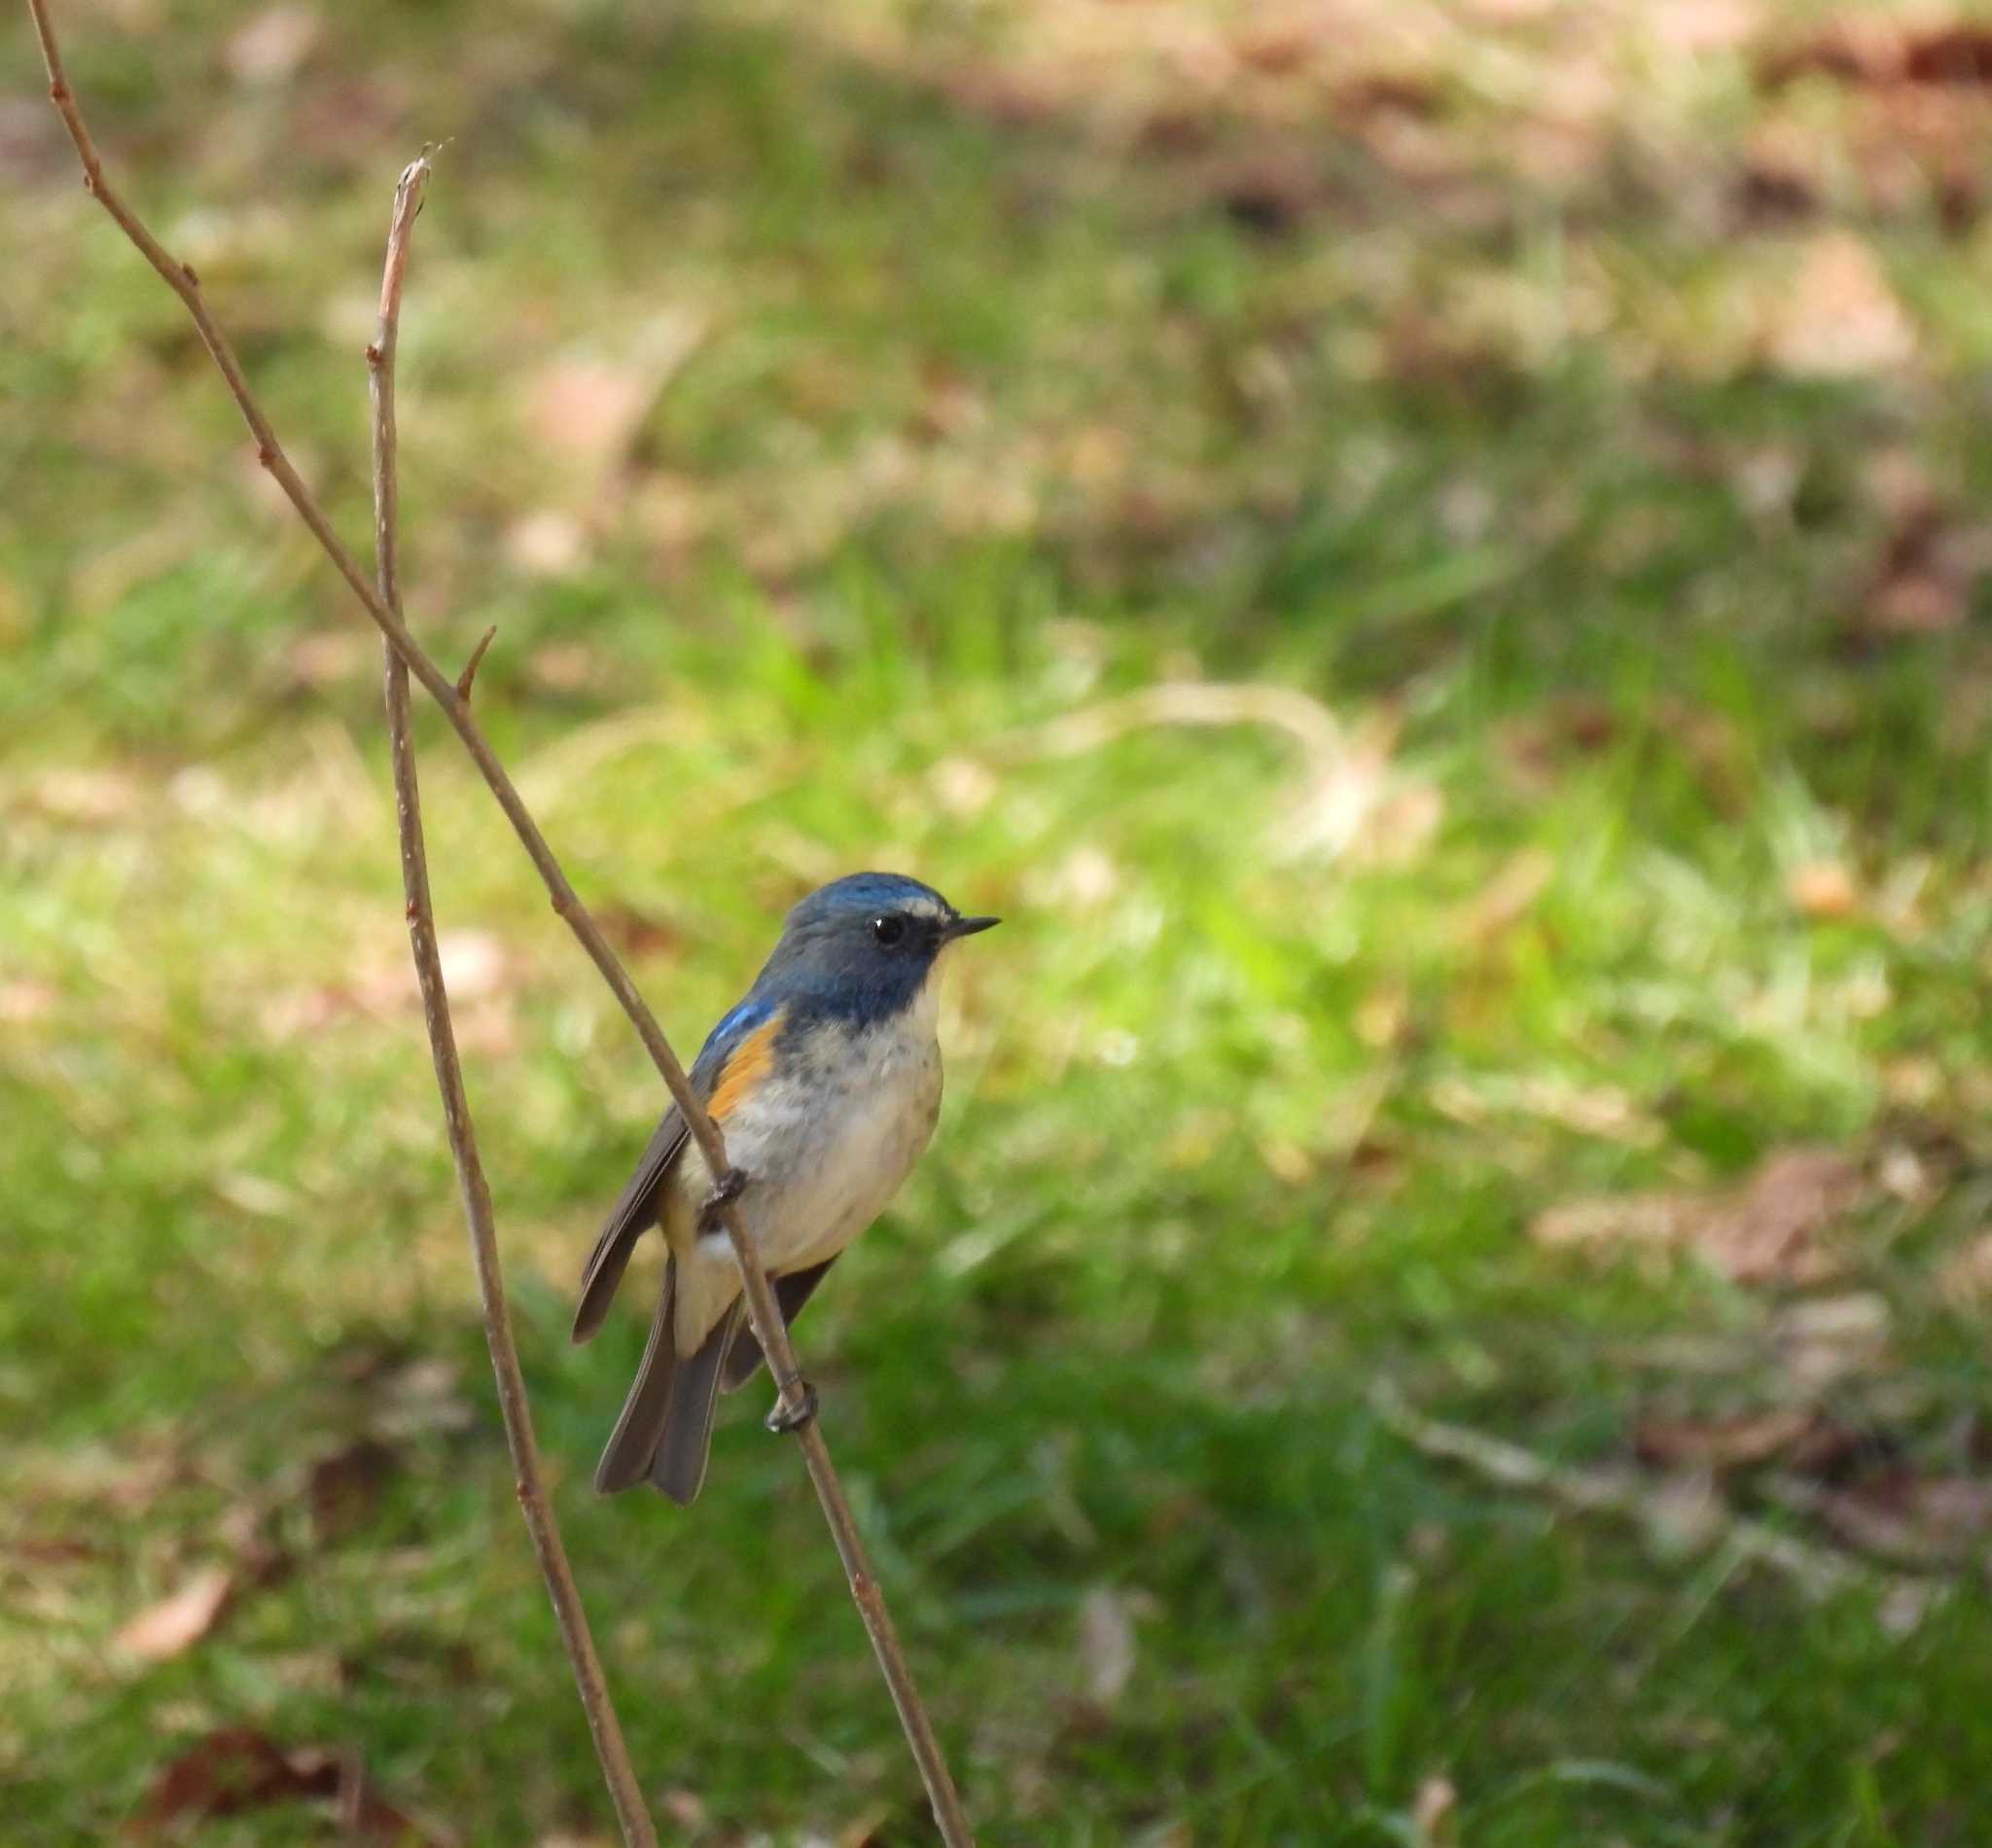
993, 413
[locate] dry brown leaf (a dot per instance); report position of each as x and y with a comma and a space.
1435, 1820
1929, 567
272, 45
176, 1622
87, 798
475, 964
1840, 317
637, 933
546, 544
686, 1808
1855, 49
421, 1397
1966, 1277
1959, 54
1907, 1518
1820, 1342
1766, 1229
1823, 890
234, 1769
589, 408
1541, 744
25, 999
1106, 1644
1802, 1438
343, 1488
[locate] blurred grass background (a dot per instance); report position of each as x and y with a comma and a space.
1429, 559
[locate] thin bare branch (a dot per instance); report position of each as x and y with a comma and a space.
762, 1313
534, 1500
466, 680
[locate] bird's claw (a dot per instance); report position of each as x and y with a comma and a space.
782, 1420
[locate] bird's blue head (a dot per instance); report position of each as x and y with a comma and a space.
861, 947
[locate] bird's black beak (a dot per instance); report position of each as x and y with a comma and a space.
966, 927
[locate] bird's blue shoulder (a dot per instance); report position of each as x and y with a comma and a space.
733, 1032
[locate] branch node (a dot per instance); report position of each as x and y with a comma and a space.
265, 453
59, 94
465, 680
373, 353
186, 270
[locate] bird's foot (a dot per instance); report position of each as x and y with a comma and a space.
783, 1419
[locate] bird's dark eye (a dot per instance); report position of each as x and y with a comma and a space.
889, 930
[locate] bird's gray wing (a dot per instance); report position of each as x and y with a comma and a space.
632, 1214
633, 1443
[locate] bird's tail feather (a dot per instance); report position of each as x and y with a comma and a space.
679, 1468
634, 1442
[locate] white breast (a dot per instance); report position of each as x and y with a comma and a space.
827, 1145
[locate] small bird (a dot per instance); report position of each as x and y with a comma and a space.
825, 1082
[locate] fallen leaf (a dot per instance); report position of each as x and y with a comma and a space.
271, 46
1106, 1644
1949, 55
1929, 566
1801, 1438
87, 797
1838, 317
1766, 1229
1905, 1517
421, 1397
25, 999
1966, 1277
1434, 1814
345, 1487
1786, 166
1267, 193
637, 933
176, 1622
1854, 49
52, 1549
591, 408
234, 1769
475, 964
221, 1773
1540, 745
1820, 1342
325, 657
546, 543
686, 1808
1823, 890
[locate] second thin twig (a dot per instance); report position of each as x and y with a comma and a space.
533, 1497
763, 1316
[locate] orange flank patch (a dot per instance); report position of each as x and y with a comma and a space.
744, 1070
